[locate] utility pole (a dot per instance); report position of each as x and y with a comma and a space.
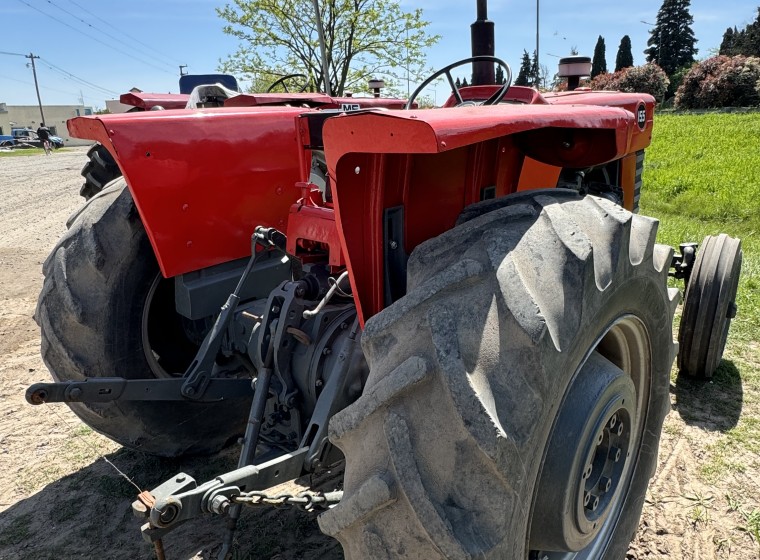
538, 65
31, 57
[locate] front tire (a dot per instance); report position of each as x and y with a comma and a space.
105, 311
538, 327
99, 171
709, 305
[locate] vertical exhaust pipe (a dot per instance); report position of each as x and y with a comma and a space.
482, 34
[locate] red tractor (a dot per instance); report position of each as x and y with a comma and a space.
460, 303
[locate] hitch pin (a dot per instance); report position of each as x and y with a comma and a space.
158, 544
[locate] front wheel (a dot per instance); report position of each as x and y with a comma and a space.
106, 311
101, 168
522, 419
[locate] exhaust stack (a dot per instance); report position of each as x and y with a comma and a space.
482, 34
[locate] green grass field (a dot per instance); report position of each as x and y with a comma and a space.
702, 177
26, 152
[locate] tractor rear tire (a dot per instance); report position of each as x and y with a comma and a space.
526, 368
105, 311
709, 305
99, 170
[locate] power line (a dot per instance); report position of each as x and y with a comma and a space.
130, 55
151, 50
97, 29
12, 53
48, 88
76, 78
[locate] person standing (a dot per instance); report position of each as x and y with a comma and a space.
43, 133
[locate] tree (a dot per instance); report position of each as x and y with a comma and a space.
671, 42
500, 79
535, 71
624, 58
745, 42
523, 76
728, 44
363, 39
599, 62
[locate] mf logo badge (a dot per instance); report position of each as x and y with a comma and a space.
350, 106
641, 116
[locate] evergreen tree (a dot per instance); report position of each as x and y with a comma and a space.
624, 57
671, 42
752, 40
599, 62
464, 82
523, 76
458, 83
746, 41
535, 71
500, 79
728, 44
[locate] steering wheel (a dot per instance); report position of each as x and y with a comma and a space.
494, 99
287, 77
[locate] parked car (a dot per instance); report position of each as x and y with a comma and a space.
21, 136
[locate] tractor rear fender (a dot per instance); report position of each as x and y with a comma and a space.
401, 178
146, 101
203, 179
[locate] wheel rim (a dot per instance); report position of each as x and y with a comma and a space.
169, 341
593, 448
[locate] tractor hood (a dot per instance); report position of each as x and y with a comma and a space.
562, 135
404, 177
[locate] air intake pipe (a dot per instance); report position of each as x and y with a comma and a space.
574, 68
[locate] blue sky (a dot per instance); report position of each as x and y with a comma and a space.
101, 48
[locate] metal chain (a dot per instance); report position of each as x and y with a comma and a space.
306, 501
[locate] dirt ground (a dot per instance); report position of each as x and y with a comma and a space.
61, 497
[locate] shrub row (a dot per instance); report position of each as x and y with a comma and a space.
720, 81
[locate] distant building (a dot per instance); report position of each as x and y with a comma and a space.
28, 116
116, 106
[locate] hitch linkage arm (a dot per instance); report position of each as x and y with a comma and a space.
107, 389
180, 498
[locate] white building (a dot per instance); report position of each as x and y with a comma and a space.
28, 116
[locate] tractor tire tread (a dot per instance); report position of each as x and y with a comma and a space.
402, 496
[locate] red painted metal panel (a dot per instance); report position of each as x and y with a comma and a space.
312, 232
439, 130
148, 100
640, 139
515, 94
203, 179
436, 162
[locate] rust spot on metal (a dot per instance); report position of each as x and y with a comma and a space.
147, 498
299, 335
